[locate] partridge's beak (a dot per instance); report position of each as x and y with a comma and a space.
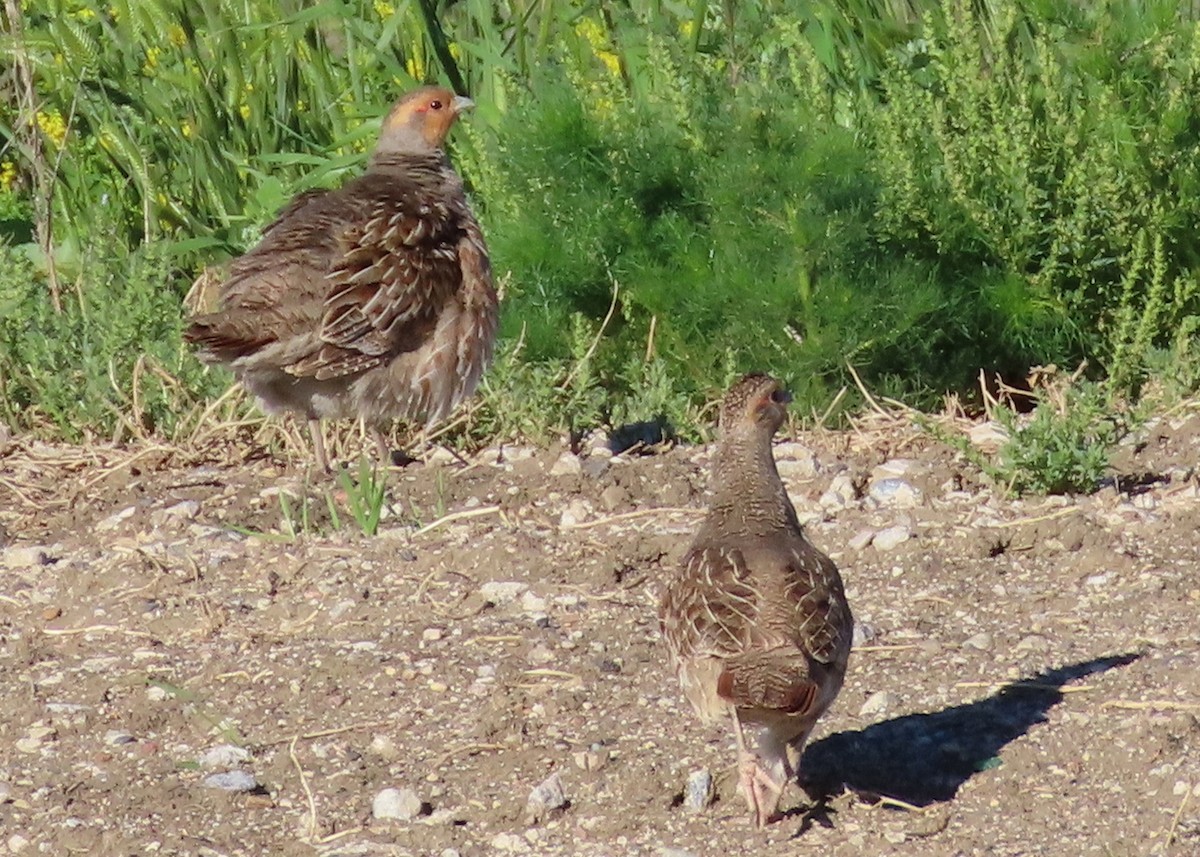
461, 103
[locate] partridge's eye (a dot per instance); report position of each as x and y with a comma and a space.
781, 397
435, 104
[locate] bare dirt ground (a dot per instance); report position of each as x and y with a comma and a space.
178, 677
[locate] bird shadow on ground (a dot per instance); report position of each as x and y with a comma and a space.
922, 759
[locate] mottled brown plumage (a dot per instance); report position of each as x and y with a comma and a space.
757, 622
374, 300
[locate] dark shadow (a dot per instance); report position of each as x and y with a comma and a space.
924, 758
646, 434
1133, 484
819, 814
16, 230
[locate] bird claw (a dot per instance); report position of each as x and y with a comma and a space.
762, 793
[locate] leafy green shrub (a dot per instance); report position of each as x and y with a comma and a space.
1058, 450
740, 224
1063, 446
111, 362
1054, 152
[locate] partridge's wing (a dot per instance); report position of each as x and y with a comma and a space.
813, 607
276, 289
397, 263
711, 608
777, 627
800, 643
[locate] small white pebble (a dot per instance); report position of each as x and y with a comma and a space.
396, 805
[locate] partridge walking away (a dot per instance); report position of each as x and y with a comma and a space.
374, 300
757, 622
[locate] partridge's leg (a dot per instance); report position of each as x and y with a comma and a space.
318, 442
382, 446
760, 789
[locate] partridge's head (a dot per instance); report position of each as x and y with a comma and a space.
755, 405
420, 121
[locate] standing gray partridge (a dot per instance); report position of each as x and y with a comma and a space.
374, 300
757, 621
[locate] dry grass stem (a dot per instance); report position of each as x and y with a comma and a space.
465, 749
95, 629
612, 308
1178, 815
862, 388
896, 803
457, 516
123, 464
308, 795
626, 516
1032, 685
896, 648
325, 733
1152, 705
1037, 519
548, 673
494, 638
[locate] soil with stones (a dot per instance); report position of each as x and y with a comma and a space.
181, 675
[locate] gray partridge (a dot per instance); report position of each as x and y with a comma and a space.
756, 621
374, 300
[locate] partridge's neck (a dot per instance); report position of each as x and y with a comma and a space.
748, 495
412, 165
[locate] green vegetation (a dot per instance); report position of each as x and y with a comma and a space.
1062, 446
1059, 451
673, 192
365, 498
318, 510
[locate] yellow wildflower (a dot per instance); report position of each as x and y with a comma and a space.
8, 175
53, 126
152, 55
415, 68
602, 107
384, 10
85, 14
249, 87
687, 27
244, 110
301, 105
60, 60
177, 35
591, 31
455, 51
187, 129
114, 12
611, 62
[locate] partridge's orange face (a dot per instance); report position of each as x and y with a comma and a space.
428, 112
